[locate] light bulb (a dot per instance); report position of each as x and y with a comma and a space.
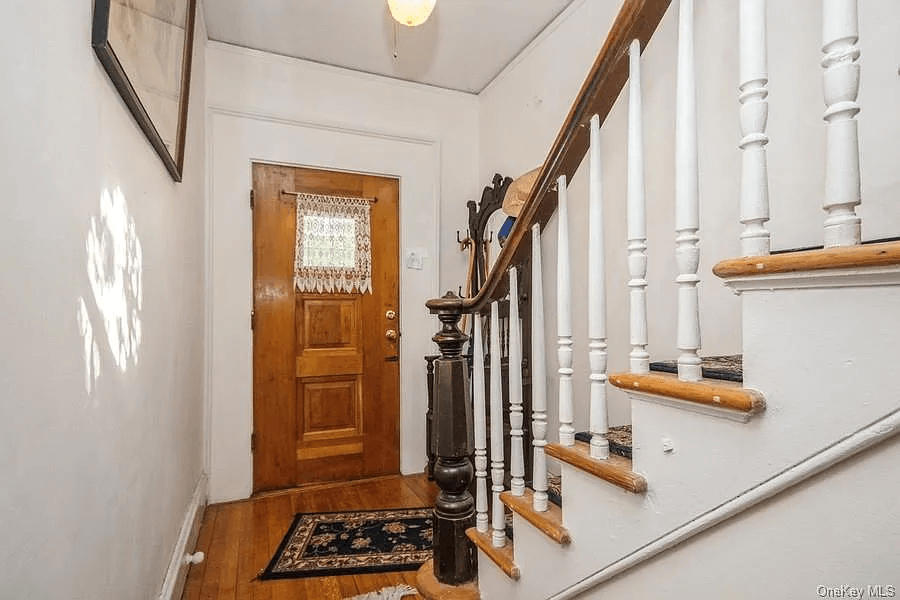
411, 12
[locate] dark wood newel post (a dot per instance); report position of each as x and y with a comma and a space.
454, 511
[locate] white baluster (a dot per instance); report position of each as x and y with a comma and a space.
637, 217
516, 416
481, 500
840, 34
687, 199
498, 536
597, 302
538, 374
564, 319
754, 95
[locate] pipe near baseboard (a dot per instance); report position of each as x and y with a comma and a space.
176, 574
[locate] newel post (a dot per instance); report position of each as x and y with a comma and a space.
454, 511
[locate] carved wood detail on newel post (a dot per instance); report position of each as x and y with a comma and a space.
454, 511
429, 417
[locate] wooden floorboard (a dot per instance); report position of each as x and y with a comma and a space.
260, 546
193, 585
239, 539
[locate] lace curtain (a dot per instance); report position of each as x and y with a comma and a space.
334, 244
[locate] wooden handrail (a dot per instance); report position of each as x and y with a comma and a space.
637, 19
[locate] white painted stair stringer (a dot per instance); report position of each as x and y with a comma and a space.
823, 372
869, 522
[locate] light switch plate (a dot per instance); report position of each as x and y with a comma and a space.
415, 258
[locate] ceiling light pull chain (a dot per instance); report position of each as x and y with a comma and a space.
396, 39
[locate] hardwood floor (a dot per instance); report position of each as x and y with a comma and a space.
239, 539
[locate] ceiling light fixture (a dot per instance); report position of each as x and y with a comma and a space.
411, 12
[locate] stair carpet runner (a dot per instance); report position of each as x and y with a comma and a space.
722, 368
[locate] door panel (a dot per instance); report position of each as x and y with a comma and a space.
332, 409
329, 322
326, 379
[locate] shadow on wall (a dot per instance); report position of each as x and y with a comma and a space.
115, 273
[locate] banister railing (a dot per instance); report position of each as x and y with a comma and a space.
619, 61
637, 20
454, 508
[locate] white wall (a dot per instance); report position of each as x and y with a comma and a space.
522, 110
780, 549
96, 473
274, 109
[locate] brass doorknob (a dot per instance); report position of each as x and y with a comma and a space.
390, 315
391, 334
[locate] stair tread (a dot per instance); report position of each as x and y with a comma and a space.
502, 557
615, 469
721, 394
620, 443
723, 368
844, 257
548, 522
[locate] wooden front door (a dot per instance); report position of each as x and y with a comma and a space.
326, 370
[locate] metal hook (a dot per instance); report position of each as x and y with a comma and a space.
464, 244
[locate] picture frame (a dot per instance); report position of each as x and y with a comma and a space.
146, 46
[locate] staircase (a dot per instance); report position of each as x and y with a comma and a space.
735, 484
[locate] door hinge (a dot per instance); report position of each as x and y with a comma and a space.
253, 442
252, 199
252, 320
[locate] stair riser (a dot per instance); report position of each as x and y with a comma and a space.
550, 567
828, 366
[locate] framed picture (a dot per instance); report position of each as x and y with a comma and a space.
146, 47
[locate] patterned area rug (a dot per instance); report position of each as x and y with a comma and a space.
344, 543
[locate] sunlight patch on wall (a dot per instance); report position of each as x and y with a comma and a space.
115, 272
91, 351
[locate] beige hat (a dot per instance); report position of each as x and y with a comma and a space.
518, 191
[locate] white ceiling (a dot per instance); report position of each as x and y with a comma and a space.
463, 46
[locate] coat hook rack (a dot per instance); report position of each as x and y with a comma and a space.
464, 243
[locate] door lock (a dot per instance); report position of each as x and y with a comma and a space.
390, 315
391, 334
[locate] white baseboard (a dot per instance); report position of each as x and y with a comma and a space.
176, 574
